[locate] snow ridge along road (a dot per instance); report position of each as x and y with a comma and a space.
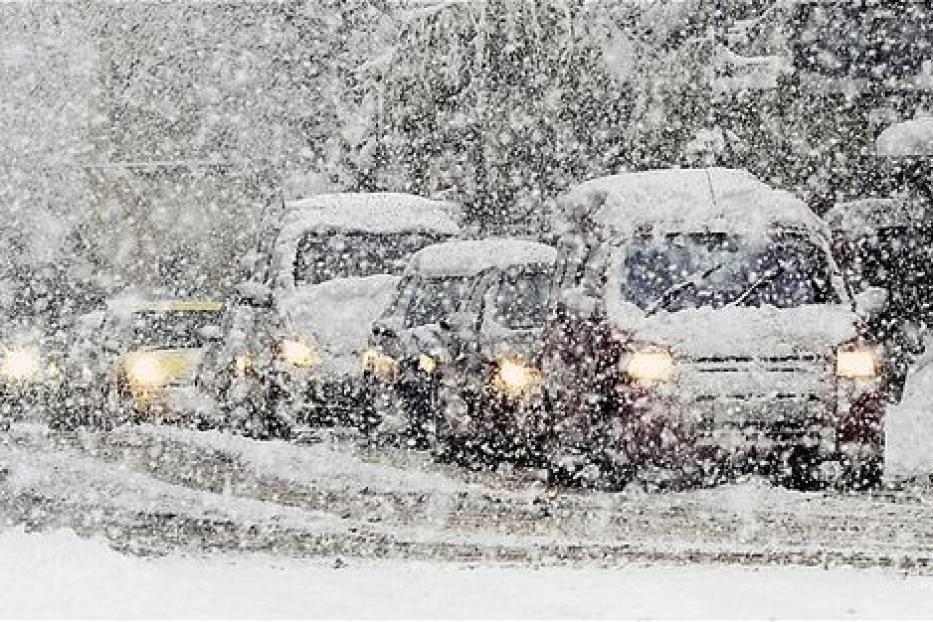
153, 490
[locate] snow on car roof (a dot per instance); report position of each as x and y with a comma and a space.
469, 257
377, 212
867, 215
910, 138
677, 200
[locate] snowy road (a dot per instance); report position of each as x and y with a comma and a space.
157, 490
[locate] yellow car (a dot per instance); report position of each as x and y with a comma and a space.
162, 345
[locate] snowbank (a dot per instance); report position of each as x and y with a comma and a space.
58, 575
469, 257
910, 138
714, 199
909, 427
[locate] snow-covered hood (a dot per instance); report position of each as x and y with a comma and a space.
741, 331
338, 315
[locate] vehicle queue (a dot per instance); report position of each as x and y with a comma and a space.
678, 326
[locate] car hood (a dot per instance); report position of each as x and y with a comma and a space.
338, 314
743, 331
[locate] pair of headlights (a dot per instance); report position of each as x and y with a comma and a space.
651, 366
385, 367
295, 352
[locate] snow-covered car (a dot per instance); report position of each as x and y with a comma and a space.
335, 265
232, 372
490, 389
152, 356
39, 306
703, 327
433, 321
888, 243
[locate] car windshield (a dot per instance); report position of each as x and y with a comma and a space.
433, 299
687, 271
521, 299
173, 329
323, 256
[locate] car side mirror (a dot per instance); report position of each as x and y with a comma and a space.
578, 302
255, 294
871, 301
388, 327
460, 321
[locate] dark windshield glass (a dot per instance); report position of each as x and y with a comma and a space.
173, 329
434, 299
521, 299
784, 271
325, 256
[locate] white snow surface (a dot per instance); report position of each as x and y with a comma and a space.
677, 200
909, 138
470, 257
908, 427
58, 574
377, 212
740, 331
338, 315
868, 215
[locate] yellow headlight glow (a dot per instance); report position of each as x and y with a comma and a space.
380, 364
650, 366
21, 363
427, 364
243, 364
298, 353
145, 371
857, 363
516, 377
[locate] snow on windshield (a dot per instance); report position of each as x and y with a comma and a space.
686, 271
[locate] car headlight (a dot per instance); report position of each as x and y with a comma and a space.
298, 353
145, 371
379, 364
515, 377
21, 363
649, 366
427, 363
243, 364
858, 363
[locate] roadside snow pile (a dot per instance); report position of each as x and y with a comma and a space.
910, 138
58, 575
469, 257
908, 443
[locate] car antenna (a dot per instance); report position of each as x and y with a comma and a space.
712, 190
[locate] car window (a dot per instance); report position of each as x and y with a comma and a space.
521, 298
323, 256
173, 329
686, 271
433, 299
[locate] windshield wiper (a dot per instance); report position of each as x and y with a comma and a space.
765, 279
691, 282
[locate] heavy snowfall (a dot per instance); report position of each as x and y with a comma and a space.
490, 308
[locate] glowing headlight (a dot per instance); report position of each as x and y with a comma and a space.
515, 377
298, 353
379, 364
859, 363
650, 366
145, 371
427, 364
243, 365
21, 363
